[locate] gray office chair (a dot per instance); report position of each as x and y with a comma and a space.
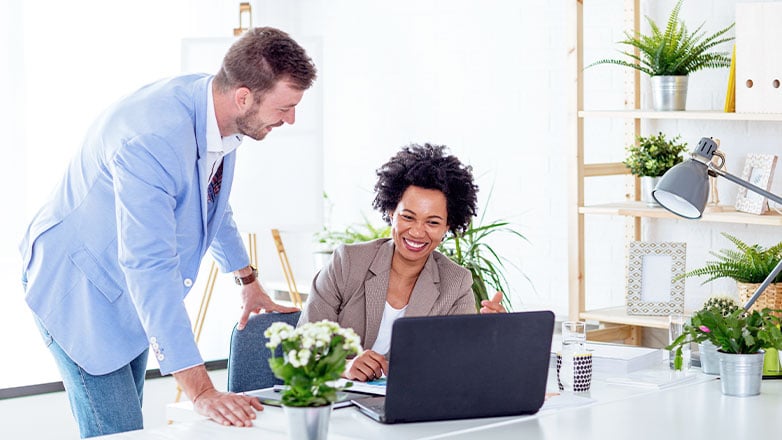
248, 366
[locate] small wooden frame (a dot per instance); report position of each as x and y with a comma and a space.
758, 170
651, 271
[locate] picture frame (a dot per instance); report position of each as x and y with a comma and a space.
655, 286
758, 170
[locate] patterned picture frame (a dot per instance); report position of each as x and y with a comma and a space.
652, 268
758, 170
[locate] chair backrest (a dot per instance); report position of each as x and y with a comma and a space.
248, 366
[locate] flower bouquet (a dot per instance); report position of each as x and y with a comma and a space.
313, 358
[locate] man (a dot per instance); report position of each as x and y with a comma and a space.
110, 257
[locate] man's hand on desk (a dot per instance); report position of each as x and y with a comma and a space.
224, 408
368, 366
227, 408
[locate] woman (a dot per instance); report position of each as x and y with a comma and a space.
422, 193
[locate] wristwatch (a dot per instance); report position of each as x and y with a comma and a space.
243, 281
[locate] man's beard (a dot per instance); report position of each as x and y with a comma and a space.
246, 127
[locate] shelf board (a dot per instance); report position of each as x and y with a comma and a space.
690, 114
618, 315
639, 209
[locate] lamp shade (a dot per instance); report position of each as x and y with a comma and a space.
684, 189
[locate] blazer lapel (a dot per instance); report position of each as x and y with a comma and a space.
425, 291
375, 289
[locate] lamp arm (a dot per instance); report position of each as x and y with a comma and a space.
744, 183
763, 285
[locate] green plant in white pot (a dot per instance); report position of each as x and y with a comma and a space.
668, 56
650, 158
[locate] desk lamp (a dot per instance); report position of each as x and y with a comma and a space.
684, 190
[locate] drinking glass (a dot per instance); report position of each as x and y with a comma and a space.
573, 345
676, 323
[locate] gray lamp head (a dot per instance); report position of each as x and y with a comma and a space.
684, 189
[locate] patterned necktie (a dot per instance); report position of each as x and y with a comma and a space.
214, 185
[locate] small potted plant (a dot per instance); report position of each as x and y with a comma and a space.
710, 363
650, 158
748, 265
313, 358
668, 56
740, 338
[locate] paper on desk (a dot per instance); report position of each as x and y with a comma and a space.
565, 400
377, 387
652, 379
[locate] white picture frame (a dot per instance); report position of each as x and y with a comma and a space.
759, 171
654, 283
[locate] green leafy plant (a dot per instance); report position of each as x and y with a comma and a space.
745, 264
330, 237
738, 332
471, 251
674, 51
313, 357
654, 155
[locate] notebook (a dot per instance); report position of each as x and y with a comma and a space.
464, 366
272, 396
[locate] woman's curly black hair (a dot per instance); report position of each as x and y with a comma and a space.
428, 166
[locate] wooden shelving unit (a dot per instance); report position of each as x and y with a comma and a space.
615, 322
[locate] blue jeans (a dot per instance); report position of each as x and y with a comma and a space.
105, 404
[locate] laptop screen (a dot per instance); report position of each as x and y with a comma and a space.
463, 366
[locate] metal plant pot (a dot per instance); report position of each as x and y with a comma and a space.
669, 93
741, 374
647, 185
710, 362
308, 422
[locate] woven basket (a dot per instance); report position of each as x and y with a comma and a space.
771, 297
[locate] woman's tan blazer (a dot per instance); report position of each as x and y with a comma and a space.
351, 289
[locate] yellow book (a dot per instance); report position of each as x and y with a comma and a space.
730, 96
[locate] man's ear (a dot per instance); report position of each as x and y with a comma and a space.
243, 98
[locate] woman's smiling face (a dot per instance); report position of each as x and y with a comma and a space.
419, 223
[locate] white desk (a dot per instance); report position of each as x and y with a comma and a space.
695, 410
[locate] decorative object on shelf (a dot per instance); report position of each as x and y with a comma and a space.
714, 195
650, 158
758, 170
654, 284
710, 362
740, 336
314, 357
758, 72
730, 94
245, 12
669, 56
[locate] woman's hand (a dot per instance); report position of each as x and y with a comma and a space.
368, 366
494, 305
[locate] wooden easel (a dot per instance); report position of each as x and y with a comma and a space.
286, 269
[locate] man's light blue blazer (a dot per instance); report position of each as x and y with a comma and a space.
110, 257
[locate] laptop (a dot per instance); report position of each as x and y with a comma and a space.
465, 366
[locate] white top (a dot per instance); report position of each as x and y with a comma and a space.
383, 341
216, 145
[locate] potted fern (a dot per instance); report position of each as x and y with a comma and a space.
668, 56
650, 158
471, 251
748, 265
